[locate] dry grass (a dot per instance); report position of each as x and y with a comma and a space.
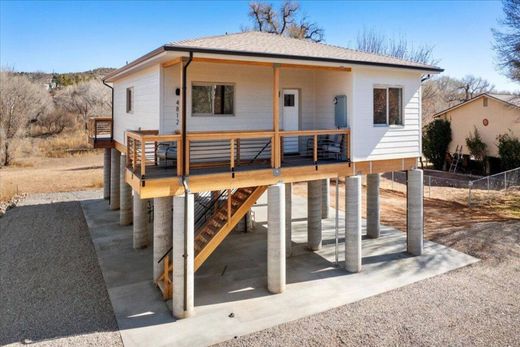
72, 173
65, 144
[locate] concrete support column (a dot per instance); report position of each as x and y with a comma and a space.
325, 198
115, 160
276, 238
288, 219
314, 211
162, 231
373, 208
183, 250
415, 213
106, 173
140, 217
353, 224
125, 210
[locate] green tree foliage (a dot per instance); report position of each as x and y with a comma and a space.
509, 151
476, 146
436, 139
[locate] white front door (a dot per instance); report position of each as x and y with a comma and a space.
290, 118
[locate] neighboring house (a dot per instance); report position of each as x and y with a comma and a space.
213, 123
491, 114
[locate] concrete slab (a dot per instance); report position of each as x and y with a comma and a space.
234, 278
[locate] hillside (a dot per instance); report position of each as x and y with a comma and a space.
66, 79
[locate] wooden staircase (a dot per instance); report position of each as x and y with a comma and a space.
208, 237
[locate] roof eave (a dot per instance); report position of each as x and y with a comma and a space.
297, 57
188, 49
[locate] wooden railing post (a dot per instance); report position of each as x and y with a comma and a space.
189, 156
166, 277
143, 157
232, 154
238, 153
315, 148
179, 157
229, 206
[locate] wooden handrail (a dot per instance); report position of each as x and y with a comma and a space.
145, 137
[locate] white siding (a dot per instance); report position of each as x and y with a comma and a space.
253, 96
371, 142
147, 102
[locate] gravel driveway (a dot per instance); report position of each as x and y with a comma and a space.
474, 306
51, 286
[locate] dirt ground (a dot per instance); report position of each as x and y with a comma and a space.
45, 175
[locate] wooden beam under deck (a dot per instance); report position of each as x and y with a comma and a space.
261, 63
161, 187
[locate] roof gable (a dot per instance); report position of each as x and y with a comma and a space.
512, 100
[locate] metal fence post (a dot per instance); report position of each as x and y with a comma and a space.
392, 180
429, 186
470, 184
505, 180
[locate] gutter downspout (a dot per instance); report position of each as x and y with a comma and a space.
111, 123
184, 178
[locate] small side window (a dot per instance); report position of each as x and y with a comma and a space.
485, 101
129, 100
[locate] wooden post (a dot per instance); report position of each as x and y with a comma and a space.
229, 206
315, 148
143, 158
134, 146
238, 153
276, 114
179, 157
155, 153
188, 156
232, 153
166, 277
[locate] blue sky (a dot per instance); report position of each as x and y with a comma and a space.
76, 36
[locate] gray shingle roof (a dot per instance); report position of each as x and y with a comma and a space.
271, 44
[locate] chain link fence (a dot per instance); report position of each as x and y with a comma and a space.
485, 188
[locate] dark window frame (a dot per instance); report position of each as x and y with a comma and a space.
218, 87
387, 107
130, 96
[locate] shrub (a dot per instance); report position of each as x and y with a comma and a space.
476, 146
509, 151
436, 139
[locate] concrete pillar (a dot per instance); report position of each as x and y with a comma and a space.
288, 219
140, 217
125, 210
246, 223
115, 159
314, 193
183, 304
162, 231
325, 198
106, 173
415, 213
373, 208
276, 238
353, 224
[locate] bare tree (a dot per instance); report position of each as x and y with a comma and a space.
20, 102
507, 40
371, 41
84, 99
471, 86
443, 92
286, 21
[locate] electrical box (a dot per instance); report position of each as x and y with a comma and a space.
340, 111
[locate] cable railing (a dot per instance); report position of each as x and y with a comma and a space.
150, 155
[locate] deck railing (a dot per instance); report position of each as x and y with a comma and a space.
99, 128
152, 155
149, 152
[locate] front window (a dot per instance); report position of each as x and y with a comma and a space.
210, 99
388, 106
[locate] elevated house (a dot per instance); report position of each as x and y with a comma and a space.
204, 127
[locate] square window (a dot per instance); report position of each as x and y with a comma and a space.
388, 106
288, 100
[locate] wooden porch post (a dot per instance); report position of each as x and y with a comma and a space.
276, 115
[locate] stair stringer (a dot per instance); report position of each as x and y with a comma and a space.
228, 227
